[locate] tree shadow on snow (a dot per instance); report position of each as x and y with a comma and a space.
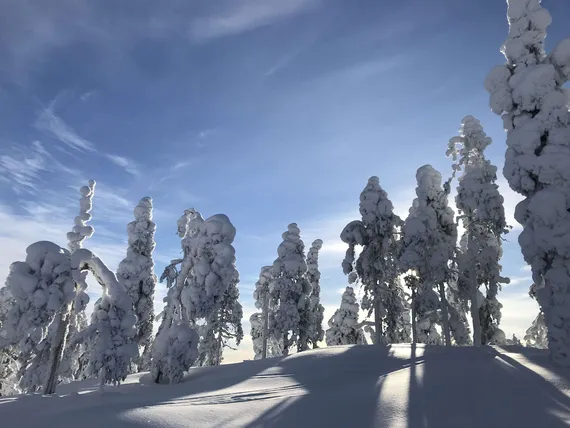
486, 389
92, 409
336, 389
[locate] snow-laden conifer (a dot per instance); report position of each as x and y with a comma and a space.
222, 326
376, 266
208, 267
9, 365
40, 287
536, 335
529, 95
429, 238
288, 286
480, 208
315, 332
197, 290
344, 328
74, 359
136, 274
266, 344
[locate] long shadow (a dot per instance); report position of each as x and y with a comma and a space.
110, 408
339, 389
416, 411
481, 387
540, 357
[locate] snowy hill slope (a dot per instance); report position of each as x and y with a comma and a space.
345, 386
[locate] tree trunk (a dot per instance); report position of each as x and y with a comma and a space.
445, 314
473, 295
285, 344
265, 325
377, 322
57, 350
414, 332
220, 342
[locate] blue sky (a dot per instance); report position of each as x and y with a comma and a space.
271, 112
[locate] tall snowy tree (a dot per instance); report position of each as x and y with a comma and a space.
288, 287
480, 207
316, 310
74, 359
222, 326
429, 238
175, 347
197, 291
264, 344
40, 286
344, 328
9, 365
529, 95
458, 307
377, 266
136, 274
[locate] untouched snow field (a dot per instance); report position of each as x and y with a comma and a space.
343, 386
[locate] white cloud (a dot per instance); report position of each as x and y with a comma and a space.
22, 169
517, 280
128, 165
53, 125
247, 15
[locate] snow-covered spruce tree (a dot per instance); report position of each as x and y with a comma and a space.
316, 332
175, 347
206, 272
267, 345
343, 325
40, 287
222, 325
429, 238
9, 365
288, 287
536, 335
208, 267
74, 359
377, 266
480, 207
458, 324
529, 95
136, 274
256, 333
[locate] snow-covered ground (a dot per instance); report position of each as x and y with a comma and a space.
344, 386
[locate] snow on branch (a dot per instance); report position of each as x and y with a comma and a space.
81, 230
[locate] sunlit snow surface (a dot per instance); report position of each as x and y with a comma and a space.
345, 386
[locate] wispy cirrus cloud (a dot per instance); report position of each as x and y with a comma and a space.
53, 125
246, 15
128, 165
23, 168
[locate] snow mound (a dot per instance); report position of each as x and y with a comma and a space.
342, 386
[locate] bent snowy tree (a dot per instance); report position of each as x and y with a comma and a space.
529, 95
43, 288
